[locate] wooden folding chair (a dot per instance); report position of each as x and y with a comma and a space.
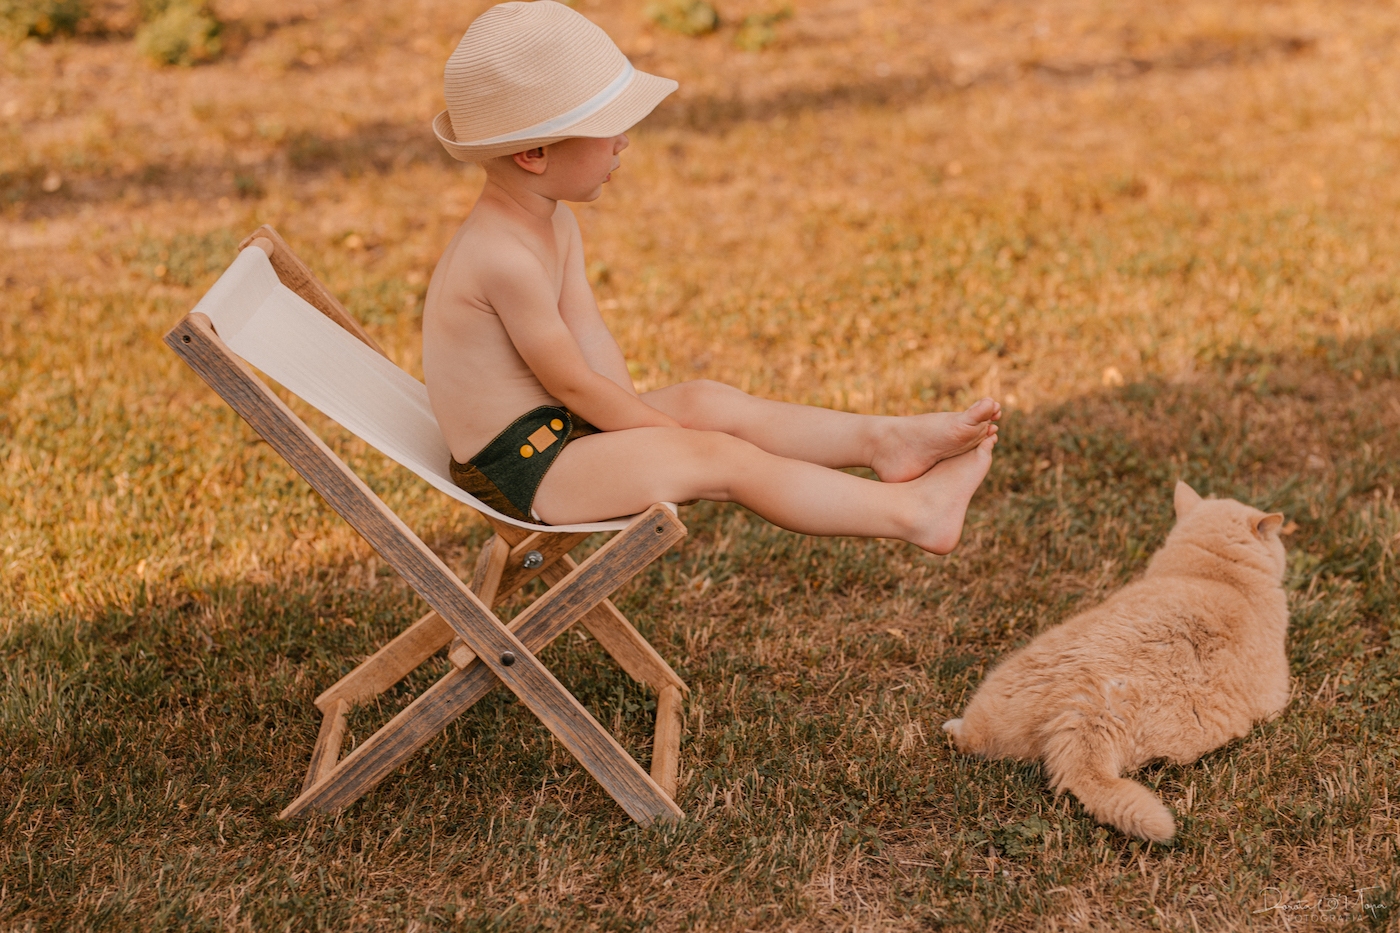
269, 310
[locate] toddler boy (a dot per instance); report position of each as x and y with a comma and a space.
532, 391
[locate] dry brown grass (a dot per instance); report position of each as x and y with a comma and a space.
1163, 234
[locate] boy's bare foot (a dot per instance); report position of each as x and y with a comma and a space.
913, 444
944, 493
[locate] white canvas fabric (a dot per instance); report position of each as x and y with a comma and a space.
276, 330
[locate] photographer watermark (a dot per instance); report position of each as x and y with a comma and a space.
1352, 905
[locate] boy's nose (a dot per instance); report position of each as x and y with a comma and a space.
622, 142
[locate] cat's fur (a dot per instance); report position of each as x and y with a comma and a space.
1170, 667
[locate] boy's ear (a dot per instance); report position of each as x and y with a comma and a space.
534, 161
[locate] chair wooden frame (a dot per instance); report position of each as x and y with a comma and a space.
482, 649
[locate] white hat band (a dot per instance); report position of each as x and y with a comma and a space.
550, 127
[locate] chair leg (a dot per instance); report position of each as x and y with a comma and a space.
375, 758
619, 638
413, 645
394, 661
666, 747
486, 583
421, 640
611, 566
391, 663
605, 623
327, 752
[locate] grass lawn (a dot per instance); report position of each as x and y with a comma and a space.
1163, 234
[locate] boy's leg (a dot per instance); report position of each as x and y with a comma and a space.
898, 449
624, 472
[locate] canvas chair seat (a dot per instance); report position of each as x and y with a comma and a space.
269, 311
323, 364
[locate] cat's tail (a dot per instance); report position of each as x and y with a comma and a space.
1080, 759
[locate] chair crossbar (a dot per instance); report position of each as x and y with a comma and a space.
464, 685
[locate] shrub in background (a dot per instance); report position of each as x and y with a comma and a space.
178, 32
759, 30
687, 17
42, 19
171, 32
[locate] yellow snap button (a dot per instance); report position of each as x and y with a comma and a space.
557, 425
527, 451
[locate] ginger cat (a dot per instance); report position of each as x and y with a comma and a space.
1170, 667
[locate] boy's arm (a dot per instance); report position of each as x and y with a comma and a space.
579, 309
519, 288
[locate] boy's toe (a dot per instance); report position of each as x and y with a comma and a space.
985, 409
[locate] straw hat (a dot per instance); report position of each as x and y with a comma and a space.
531, 74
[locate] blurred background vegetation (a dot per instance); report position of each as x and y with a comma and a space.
168, 32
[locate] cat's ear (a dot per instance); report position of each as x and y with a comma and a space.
1269, 524
1186, 499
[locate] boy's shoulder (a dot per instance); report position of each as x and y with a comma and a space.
494, 231
493, 248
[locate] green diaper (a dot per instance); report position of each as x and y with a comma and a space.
506, 473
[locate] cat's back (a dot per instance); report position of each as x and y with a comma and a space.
1150, 618
1219, 577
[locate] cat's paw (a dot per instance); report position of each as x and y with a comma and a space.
954, 728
